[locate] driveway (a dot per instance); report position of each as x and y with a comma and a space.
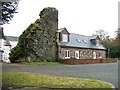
105, 72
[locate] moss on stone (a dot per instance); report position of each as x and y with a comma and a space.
36, 27
38, 41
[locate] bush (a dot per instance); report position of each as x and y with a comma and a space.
15, 54
19, 51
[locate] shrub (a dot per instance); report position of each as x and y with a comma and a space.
19, 51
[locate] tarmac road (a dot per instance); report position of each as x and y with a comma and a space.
105, 72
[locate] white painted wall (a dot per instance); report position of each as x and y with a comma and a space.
6, 49
13, 43
0, 49
0, 43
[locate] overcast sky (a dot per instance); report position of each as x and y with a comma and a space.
78, 16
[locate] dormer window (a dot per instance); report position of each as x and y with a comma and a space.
97, 42
64, 37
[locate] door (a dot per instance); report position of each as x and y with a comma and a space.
94, 55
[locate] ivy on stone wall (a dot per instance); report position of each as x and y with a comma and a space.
19, 51
38, 41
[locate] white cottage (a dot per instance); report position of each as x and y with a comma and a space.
6, 44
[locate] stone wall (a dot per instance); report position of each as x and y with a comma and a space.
41, 45
83, 53
39, 41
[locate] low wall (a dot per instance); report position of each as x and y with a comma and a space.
87, 61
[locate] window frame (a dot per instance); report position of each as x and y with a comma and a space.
97, 42
77, 55
94, 55
67, 54
64, 38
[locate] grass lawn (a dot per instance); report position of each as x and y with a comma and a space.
46, 81
42, 63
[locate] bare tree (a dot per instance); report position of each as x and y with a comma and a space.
102, 34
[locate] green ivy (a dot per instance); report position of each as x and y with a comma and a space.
23, 44
19, 51
36, 27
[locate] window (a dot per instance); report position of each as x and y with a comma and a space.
67, 54
94, 55
64, 38
78, 40
99, 54
97, 43
84, 41
77, 54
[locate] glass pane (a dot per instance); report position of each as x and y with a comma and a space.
68, 53
65, 53
76, 54
65, 37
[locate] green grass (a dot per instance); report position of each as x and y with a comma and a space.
46, 81
42, 63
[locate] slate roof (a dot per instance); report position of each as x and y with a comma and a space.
7, 40
81, 41
7, 43
59, 30
12, 38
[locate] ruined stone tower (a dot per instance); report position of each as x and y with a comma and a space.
42, 45
39, 41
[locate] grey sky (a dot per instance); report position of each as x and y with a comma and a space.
78, 16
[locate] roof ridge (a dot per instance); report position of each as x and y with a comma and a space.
82, 35
12, 36
79, 34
